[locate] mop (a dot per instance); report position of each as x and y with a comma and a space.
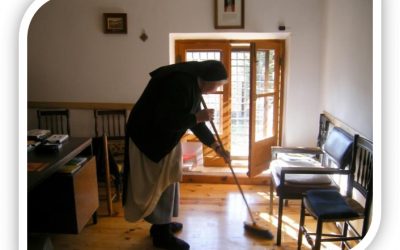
252, 226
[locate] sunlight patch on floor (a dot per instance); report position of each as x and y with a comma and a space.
264, 195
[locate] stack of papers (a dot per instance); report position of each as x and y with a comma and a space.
36, 166
38, 134
57, 138
48, 147
293, 157
77, 161
32, 144
73, 165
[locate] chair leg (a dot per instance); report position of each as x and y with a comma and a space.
345, 229
271, 198
301, 225
318, 237
108, 177
94, 217
117, 191
279, 231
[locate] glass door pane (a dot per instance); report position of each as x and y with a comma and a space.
264, 117
240, 96
265, 71
265, 90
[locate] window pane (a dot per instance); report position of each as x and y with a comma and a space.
192, 55
196, 56
264, 117
213, 101
265, 71
203, 56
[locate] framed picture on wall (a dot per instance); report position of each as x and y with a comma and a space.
229, 14
115, 23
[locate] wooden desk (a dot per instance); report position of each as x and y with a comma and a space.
62, 202
71, 148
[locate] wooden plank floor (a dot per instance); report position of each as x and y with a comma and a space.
212, 215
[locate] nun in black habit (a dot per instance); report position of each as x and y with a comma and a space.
168, 107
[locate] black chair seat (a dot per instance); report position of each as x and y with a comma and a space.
298, 179
328, 205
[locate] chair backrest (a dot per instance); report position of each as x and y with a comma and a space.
338, 147
57, 121
361, 177
110, 122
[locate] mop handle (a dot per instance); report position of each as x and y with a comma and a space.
229, 163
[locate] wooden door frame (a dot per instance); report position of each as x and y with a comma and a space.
182, 44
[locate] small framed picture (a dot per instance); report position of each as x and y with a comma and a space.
229, 14
115, 23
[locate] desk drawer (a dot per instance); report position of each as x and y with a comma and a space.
64, 203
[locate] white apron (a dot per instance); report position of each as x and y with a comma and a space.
147, 180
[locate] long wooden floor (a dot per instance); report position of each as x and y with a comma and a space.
212, 215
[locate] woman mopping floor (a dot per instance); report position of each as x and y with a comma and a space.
168, 107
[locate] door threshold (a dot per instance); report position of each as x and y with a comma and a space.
223, 175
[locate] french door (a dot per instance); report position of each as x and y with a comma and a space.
265, 103
248, 108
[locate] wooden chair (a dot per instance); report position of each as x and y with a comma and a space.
316, 152
110, 126
57, 121
293, 176
331, 206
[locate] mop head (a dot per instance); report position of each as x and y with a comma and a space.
254, 229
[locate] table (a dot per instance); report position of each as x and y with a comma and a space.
62, 202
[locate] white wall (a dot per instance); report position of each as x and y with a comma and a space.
347, 63
71, 59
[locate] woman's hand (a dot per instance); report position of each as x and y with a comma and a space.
221, 152
205, 115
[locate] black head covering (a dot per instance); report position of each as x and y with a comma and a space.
210, 70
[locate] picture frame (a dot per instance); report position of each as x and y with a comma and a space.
115, 23
229, 14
